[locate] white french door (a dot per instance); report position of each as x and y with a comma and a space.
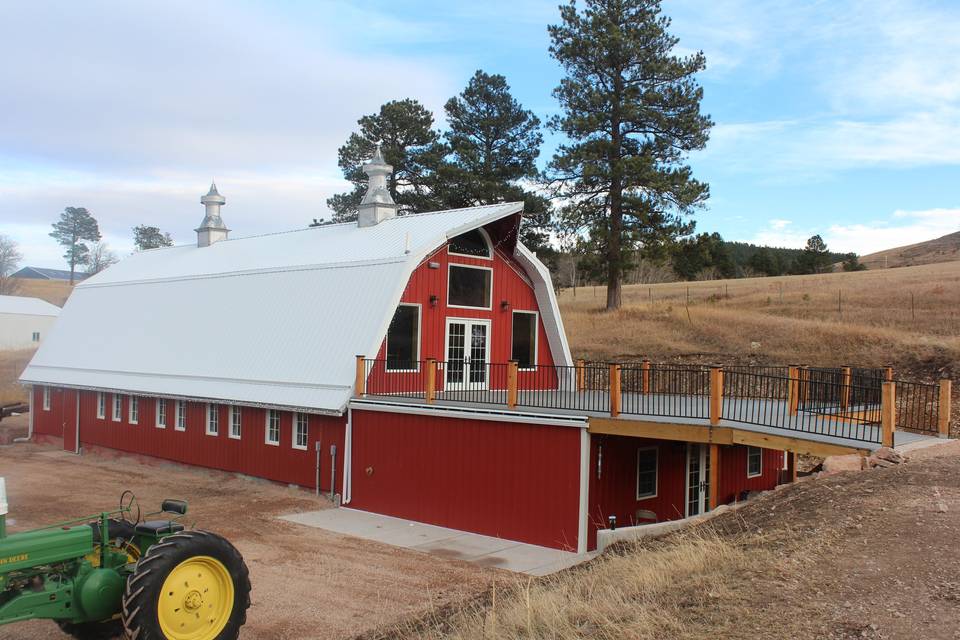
698, 479
468, 349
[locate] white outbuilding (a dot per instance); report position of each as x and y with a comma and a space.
25, 322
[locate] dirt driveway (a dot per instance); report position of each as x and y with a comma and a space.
307, 583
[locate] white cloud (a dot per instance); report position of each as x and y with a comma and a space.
778, 223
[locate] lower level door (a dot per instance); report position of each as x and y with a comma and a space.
698, 478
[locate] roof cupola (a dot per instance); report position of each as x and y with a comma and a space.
212, 228
377, 204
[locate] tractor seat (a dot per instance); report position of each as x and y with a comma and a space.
158, 527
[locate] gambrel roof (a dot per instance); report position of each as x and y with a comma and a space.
272, 320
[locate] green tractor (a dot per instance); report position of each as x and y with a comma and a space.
116, 574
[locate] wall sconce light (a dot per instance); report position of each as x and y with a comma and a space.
433, 301
504, 305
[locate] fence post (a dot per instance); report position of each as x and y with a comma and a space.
943, 408
716, 394
845, 389
614, 390
793, 389
431, 391
581, 375
359, 384
512, 383
888, 412
645, 373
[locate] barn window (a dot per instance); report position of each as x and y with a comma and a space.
181, 416
646, 473
101, 405
403, 339
235, 421
300, 429
475, 244
213, 419
469, 287
754, 462
524, 349
36, 336
46, 398
117, 407
161, 413
272, 435
134, 411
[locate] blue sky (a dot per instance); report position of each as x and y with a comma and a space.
838, 118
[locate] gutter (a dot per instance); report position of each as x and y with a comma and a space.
29, 423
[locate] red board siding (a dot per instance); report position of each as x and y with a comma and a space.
733, 472
505, 479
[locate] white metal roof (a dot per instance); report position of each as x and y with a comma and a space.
28, 306
273, 320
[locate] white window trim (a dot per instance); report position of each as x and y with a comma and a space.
161, 424
759, 473
101, 405
451, 265
536, 337
116, 411
46, 398
235, 411
266, 428
656, 474
133, 410
295, 424
486, 238
208, 422
180, 409
419, 336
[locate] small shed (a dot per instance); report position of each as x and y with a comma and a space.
25, 322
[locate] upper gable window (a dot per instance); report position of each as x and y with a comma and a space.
469, 287
475, 244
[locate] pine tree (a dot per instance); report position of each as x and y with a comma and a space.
74, 226
631, 111
145, 237
815, 257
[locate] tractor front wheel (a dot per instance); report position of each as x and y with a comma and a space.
191, 585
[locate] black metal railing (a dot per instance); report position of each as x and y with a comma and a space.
665, 390
917, 407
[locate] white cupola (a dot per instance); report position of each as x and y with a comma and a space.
212, 228
377, 205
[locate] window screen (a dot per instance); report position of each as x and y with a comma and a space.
471, 243
469, 287
403, 345
646, 473
524, 339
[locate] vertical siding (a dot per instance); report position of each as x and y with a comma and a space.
510, 480
733, 472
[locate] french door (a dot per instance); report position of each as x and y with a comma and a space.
468, 349
698, 479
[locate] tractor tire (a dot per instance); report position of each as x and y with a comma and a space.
192, 584
108, 630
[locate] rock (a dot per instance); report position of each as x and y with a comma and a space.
888, 455
836, 464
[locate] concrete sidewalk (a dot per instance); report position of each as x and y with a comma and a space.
439, 541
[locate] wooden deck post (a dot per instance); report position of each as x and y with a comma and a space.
804, 386
845, 389
645, 374
943, 408
359, 384
581, 375
512, 367
793, 389
714, 476
716, 394
888, 374
431, 380
888, 412
615, 396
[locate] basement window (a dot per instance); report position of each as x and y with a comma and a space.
754, 462
235, 421
101, 405
474, 244
469, 287
300, 431
134, 410
117, 408
181, 424
646, 473
403, 339
161, 413
524, 349
272, 435
36, 336
46, 398
213, 419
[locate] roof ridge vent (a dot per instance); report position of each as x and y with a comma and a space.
377, 204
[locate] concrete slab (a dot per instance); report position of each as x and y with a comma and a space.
451, 544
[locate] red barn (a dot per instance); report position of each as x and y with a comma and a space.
241, 355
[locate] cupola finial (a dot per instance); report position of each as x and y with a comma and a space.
377, 204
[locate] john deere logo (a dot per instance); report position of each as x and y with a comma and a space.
12, 559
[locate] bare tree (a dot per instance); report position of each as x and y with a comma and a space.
10, 258
100, 257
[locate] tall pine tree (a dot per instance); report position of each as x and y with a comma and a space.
631, 112
74, 226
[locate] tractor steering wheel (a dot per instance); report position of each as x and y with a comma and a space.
128, 501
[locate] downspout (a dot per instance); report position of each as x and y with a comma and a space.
29, 422
583, 507
347, 451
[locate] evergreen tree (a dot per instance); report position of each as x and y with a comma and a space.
631, 111
74, 226
145, 237
815, 257
404, 128
851, 262
763, 262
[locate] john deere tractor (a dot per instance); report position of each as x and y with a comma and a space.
117, 574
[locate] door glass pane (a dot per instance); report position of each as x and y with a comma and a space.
455, 352
693, 480
478, 353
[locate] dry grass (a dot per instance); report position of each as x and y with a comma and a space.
791, 319
53, 291
12, 364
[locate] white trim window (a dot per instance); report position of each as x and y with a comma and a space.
235, 422
213, 419
117, 408
523, 340
647, 472
472, 244
161, 413
133, 409
101, 405
403, 339
469, 287
271, 430
46, 398
181, 424
754, 462
301, 431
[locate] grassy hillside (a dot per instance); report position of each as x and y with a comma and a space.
53, 291
908, 317
944, 249
12, 364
